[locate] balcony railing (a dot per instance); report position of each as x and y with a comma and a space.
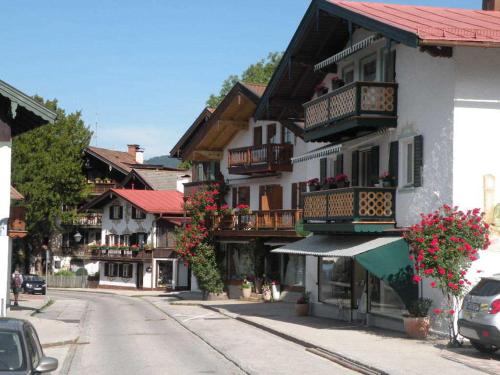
274, 220
258, 159
99, 187
93, 219
350, 204
366, 102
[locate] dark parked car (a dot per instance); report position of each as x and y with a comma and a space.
479, 319
34, 284
20, 349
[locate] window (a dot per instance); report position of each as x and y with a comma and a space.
115, 212
288, 136
33, 346
206, 171
348, 74
12, 356
335, 280
111, 269
369, 68
407, 152
138, 214
384, 299
126, 270
293, 270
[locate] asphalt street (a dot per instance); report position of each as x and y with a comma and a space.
126, 335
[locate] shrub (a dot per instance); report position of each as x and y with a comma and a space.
419, 308
64, 273
81, 272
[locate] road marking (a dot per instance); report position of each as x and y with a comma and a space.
198, 317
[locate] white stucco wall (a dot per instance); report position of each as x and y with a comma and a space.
127, 225
117, 281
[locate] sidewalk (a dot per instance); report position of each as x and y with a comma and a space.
120, 292
56, 322
387, 351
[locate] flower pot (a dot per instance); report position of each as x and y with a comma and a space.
266, 295
302, 309
246, 292
417, 328
314, 187
342, 184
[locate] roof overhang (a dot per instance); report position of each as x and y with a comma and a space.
21, 112
230, 116
177, 150
89, 151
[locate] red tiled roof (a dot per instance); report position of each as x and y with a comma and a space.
433, 25
153, 201
122, 160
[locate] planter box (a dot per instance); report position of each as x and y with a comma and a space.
417, 328
302, 309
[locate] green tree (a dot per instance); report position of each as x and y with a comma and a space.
260, 72
47, 167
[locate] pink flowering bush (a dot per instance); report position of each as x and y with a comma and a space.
443, 246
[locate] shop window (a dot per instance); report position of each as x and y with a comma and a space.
384, 299
293, 270
335, 281
138, 214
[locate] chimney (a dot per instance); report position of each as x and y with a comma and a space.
137, 153
491, 5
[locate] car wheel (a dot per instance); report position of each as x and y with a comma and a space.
487, 349
44, 292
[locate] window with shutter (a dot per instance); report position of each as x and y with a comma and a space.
355, 168
418, 160
393, 161
373, 166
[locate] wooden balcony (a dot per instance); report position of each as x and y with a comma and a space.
90, 252
351, 111
99, 187
92, 219
353, 208
261, 159
17, 222
265, 223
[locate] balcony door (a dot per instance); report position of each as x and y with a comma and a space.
270, 197
365, 167
271, 134
257, 136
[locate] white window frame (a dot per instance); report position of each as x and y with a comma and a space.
112, 267
115, 212
407, 164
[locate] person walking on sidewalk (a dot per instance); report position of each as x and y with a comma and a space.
17, 283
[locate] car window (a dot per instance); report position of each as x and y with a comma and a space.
33, 345
486, 287
11, 352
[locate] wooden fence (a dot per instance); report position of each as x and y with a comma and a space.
59, 281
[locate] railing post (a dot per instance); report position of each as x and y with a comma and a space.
358, 98
326, 205
275, 220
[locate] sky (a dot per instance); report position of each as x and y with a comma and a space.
141, 71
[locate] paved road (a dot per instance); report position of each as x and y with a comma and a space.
124, 335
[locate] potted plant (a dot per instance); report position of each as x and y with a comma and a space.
225, 210
329, 183
313, 184
417, 322
302, 305
341, 180
243, 209
266, 292
386, 180
246, 288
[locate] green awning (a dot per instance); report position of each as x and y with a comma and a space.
385, 257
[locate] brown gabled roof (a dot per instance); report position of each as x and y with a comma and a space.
187, 136
121, 160
257, 88
15, 195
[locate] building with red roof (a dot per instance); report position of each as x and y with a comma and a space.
136, 244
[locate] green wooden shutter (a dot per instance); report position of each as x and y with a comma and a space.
373, 166
120, 215
111, 212
393, 160
106, 269
302, 189
322, 170
294, 196
339, 164
418, 160
355, 168
234, 197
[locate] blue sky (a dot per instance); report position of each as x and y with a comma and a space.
143, 69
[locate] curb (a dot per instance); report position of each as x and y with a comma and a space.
322, 352
60, 343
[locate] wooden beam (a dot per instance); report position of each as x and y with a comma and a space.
238, 124
207, 155
287, 102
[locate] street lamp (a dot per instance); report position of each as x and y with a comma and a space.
77, 237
